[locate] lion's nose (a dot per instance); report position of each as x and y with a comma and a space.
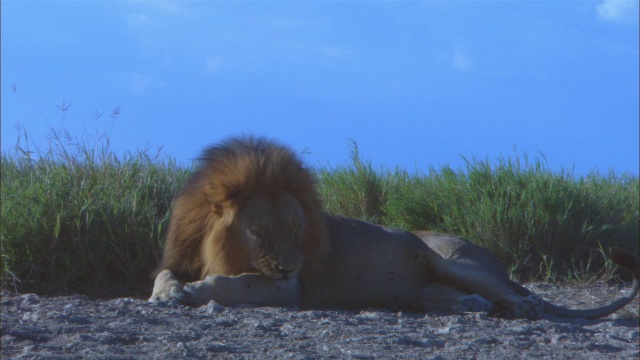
284, 271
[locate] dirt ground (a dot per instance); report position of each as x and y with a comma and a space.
80, 327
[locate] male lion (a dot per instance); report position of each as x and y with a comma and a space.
249, 228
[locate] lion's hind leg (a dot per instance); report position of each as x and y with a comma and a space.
443, 298
472, 269
528, 307
495, 287
472, 303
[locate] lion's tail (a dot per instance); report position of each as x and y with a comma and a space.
621, 258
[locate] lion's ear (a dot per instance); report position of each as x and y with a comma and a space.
217, 206
220, 199
208, 191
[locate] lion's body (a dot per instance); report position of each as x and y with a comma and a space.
249, 228
370, 266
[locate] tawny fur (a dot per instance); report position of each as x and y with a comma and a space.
200, 239
249, 228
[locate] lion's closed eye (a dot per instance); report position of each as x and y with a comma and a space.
297, 233
256, 234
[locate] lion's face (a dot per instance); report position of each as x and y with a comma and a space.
271, 229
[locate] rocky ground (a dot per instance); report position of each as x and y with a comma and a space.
83, 327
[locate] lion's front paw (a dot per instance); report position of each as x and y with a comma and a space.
472, 303
167, 288
201, 292
530, 307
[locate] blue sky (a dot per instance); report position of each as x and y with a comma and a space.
415, 84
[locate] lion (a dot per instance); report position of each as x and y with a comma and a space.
249, 228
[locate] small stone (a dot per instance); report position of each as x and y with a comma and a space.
30, 299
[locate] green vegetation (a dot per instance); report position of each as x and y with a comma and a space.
81, 219
544, 225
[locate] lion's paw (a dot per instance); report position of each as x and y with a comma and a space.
167, 288
530, 307
201, 292
472, 303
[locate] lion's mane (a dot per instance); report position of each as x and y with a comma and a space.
201, 238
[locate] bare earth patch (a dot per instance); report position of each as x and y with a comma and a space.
83, 327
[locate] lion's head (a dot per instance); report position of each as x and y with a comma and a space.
272, 229
250, 207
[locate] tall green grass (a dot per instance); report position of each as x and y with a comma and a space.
79, 219
543, 224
